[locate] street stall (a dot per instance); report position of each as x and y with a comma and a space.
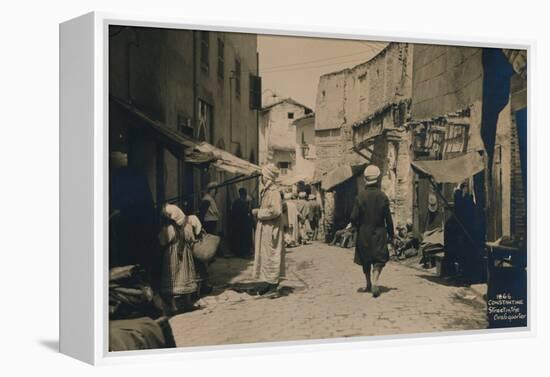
457, 240
198, 154
340, 186
137, 313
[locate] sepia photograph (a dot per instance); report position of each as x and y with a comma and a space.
272, 188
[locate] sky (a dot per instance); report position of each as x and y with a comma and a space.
291, 66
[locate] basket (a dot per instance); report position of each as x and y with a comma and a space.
204, 249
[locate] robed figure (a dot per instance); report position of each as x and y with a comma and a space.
269, 249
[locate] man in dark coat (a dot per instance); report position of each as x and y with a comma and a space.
314, 215
241, 225
372, 218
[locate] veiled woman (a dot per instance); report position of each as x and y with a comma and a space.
179, 279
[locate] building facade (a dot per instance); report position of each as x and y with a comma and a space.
361, 118
305, 152
203, 85
482, 90
277, 141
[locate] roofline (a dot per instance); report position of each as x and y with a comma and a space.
289, 100
380, 111
328, 129
370, 61
304, 117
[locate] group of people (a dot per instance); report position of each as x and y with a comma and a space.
279, 221
240, 222
302, 218
284, 220
371, 217
184, 277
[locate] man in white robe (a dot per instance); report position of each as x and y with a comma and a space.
269, 250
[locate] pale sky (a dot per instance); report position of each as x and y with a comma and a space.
291, 66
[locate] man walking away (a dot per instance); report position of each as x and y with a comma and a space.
372, 217
314, 215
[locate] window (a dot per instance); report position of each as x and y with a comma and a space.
238, 78
221, 61
185, 125
205, 44
252, 157
290, 115
255, 94
283, 167
328, 133
204, 124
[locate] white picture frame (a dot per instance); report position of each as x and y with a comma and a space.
84, 180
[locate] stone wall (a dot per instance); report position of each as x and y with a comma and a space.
329, 105
328, 149
445, 79
500, 212
518, 202
403, 200
349, 96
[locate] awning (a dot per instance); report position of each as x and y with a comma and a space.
340, 175
453, 170
290, 180
226, 161
188, 149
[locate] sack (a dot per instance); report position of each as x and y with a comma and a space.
204, 249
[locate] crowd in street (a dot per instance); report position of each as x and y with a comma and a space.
281, 220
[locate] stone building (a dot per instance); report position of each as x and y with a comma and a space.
361, 115
445, 112
186, 84
463, 102
305, 152
277, 134
508, 194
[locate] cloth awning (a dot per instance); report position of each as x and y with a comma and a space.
227, 161
290, 180
188, 149
453, 170
340, 175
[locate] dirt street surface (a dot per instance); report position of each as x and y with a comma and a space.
318, 300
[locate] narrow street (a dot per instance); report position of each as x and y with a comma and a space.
319, 300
